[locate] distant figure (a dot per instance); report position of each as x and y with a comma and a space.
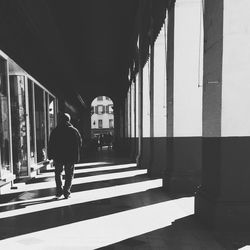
101, 141
109, 141
64, 148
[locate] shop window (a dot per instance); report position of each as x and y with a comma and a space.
19, 128
40, 124
52, 113
46, 102
4, 122
31, 121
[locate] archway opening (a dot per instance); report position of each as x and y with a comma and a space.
102, 123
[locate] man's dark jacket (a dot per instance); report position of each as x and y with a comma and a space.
65, 144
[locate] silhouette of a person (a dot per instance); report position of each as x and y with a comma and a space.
64, 148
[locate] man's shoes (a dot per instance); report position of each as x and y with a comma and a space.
59, 194
66, 196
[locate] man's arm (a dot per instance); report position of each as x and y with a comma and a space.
79, 137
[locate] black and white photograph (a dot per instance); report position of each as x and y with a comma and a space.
125, 124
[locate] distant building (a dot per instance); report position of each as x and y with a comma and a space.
102, 118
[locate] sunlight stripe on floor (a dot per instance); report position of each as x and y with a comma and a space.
105, 230
92, 163
81, 197
90, 170
81, 180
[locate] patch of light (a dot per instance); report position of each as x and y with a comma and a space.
245, 248
95, 169
87, 164
105, 230
81, 197
88, 179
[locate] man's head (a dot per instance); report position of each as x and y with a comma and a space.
63, 118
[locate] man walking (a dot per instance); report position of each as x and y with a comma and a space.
64, 148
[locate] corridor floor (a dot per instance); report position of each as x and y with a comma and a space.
114, 205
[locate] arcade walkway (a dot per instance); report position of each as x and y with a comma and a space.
113, 205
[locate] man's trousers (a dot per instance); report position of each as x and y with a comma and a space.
69, 174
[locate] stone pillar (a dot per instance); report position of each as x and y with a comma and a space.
140, 108
170, 71
223, 200
117, 125
126, 116
184, 97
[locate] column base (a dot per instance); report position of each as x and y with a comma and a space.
222, 215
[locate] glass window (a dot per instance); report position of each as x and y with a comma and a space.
31, 121
100, 109
4, 121
46, 102
111, 123
110, 109
52, 113
99, 123
99, 98
18, 122
40, 124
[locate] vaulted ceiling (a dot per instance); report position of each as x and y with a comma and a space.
74, 47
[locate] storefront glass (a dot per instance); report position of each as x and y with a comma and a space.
52, 113
40, 124
4, 121
46, 95
31, 122
19, 128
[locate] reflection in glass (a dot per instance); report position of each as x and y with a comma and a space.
46, 123
52, 114
18, 120
31, 122
4, 121
40, 124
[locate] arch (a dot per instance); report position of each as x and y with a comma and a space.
102, 121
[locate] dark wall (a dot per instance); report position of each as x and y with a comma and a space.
177, 160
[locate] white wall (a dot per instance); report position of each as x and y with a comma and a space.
146, 101
160, 84
187, 94
236, 69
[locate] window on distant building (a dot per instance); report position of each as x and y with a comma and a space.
99, 123
107, 98
100, 109
99, 98
111, 123
109, 109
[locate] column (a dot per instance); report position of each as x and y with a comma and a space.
184, 97
223, 200
159, 100
140, 108
170, 70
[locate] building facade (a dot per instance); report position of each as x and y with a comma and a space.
102, 118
